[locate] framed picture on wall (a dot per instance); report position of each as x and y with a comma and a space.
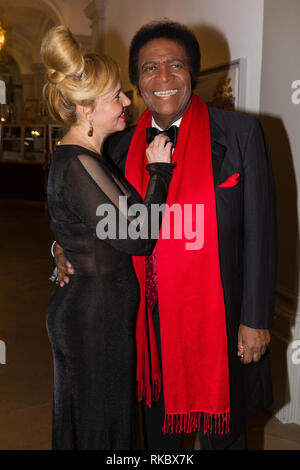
30, 110
224, 86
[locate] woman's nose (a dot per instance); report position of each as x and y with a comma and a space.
126, 101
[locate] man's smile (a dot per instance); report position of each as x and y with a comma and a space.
164, 93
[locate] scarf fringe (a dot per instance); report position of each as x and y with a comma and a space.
150, 393
217, 423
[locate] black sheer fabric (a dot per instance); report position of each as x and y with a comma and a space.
91, 320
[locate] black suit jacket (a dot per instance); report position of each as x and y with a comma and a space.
247, 245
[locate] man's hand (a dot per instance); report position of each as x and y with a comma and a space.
63, 265
252, 343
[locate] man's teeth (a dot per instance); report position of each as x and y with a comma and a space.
165, 93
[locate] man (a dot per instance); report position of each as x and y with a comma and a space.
212, 307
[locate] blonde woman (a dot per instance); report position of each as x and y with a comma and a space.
91, 320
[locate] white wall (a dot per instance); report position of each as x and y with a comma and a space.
281, 122
71, 13
281, 66
75, 17
226, 30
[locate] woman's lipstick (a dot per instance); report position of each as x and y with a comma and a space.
123, 115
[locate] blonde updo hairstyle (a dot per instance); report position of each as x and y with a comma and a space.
73, 78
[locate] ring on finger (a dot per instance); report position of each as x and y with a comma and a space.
242, 349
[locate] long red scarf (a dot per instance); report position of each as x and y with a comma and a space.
191, 303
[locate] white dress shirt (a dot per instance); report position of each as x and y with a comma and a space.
176, 123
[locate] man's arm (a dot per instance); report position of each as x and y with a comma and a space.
260, 253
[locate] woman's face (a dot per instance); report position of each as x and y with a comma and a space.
108, 115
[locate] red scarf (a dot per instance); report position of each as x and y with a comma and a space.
191, 304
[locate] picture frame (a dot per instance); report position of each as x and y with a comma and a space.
30, 110
224, 86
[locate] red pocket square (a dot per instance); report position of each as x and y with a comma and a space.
233, 180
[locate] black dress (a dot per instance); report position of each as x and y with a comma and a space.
91, 320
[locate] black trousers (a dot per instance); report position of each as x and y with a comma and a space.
153, 421
153, 418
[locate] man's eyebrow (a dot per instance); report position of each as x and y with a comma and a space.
158, 61
150, 62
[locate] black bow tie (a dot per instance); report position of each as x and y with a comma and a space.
172, 133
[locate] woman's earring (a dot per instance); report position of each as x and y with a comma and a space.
91, 129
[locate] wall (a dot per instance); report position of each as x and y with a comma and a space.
222, 38
280, 119
75, 18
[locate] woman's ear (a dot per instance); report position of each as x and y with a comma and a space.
85, 112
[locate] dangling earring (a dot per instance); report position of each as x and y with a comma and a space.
91, 129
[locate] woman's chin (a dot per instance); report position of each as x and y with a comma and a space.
121, 125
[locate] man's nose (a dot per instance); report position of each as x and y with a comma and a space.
163, 72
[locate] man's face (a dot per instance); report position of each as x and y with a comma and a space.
164, 80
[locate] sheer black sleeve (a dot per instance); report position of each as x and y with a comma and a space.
106, 203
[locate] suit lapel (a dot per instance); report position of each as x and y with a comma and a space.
218, 147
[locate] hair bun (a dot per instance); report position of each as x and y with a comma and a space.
61, 54
55, 77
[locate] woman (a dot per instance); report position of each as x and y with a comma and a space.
91, 321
